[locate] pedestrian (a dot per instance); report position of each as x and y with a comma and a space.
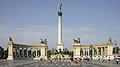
75, 61
117, 61
51, 60
71, 60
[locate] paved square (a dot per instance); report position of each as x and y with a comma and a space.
35, 63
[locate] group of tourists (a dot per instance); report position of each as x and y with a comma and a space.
73, 60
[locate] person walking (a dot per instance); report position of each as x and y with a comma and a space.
117, 61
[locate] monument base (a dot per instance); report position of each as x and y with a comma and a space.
43, 57
60, 46
60, 56
36, 58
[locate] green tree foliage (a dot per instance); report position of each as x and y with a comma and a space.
55, 51
5, 54
1, 52
49, 53
116, 50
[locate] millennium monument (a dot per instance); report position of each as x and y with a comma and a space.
97, 51
60, 43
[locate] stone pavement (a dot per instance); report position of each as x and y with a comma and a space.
33, 63
106, 63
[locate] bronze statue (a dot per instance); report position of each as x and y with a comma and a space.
77, 41
60, 7
10, 39
44, 41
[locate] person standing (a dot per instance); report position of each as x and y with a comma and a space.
117, 61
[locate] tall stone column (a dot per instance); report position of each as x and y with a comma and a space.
60, 43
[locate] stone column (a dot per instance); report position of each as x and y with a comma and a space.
36, 53
60, 43
88, 52
31, 52
23, 52
106, 51
19, 52
93, 51
83, 52
101, 51
15, 54
97, 51
80, 51
27, 52
46, 51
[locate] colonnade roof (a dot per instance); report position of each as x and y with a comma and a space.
28, 46
87, 46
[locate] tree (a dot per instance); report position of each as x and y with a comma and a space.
5, 54
65, 51
115, 50
49, 52
71, 53
1, 52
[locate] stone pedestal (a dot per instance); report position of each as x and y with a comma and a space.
43, 51
10, 50
10, 58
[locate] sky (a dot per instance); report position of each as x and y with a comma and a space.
27, 21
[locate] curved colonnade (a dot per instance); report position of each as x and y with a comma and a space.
18, 51
98, 51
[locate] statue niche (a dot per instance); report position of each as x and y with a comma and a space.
76, 41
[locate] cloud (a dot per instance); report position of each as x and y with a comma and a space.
89, 34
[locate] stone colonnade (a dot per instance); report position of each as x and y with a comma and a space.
26, 53
100, 51
18, 51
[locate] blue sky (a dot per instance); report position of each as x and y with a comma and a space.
27, 21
